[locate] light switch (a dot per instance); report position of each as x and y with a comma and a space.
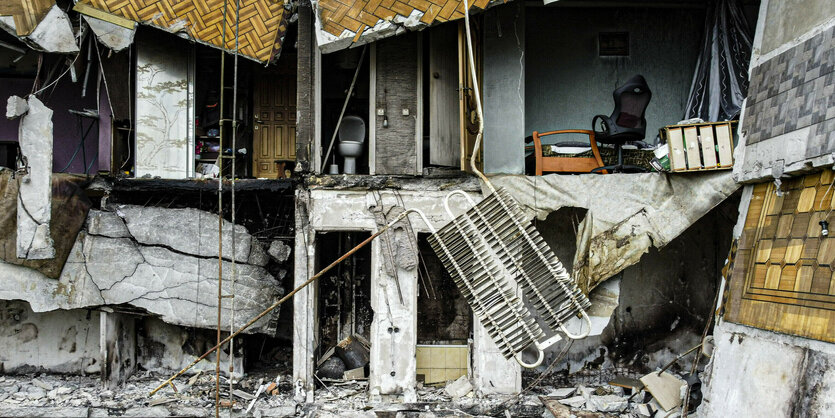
405, 112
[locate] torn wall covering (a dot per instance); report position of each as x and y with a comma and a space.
341, 23
262, 23
627, 213
162, 261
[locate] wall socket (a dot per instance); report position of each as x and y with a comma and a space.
381, 112
405, 112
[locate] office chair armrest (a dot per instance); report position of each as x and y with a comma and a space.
606, 122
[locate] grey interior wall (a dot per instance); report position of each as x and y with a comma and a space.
504, 88
789, 19
396, 148
57, 341
567, 83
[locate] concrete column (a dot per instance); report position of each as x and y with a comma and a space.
492, 373
304, 303
118, 348
504, 89
394, 329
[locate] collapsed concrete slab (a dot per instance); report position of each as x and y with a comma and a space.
35, 194
113, 36
54, 33
160, 260
627, 213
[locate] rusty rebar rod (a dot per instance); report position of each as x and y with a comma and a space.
280, 301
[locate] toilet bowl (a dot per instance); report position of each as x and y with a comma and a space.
351, 139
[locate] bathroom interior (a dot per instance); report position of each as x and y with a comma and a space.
351, 142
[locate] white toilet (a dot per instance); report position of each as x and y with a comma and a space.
351, 139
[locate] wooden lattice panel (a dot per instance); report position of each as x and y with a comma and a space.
261, 22
784, 275
337, 16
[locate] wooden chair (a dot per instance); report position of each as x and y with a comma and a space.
566, 164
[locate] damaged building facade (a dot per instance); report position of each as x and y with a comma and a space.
173, 170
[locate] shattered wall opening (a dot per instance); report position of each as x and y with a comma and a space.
344, 307
652, 311
444, 322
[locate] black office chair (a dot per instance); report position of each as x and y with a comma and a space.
626, 123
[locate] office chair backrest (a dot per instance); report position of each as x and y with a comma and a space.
631, 102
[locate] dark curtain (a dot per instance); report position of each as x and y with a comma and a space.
720, 82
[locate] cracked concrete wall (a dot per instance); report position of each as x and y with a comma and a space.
61, 342
35, 193
782, 375
161, 260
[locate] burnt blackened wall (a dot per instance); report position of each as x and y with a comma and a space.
663, 301
305, 89
396, 90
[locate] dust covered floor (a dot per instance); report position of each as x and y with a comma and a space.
81, 396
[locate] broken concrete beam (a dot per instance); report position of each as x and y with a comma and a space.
188, 230
35, 193
16, 107
54, 33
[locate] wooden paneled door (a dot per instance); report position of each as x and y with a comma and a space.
274, 128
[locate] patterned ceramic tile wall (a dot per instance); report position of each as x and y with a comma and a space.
795, 90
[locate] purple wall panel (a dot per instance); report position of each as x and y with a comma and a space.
9, 87
66, 136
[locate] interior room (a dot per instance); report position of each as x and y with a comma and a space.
339, 69
344, 313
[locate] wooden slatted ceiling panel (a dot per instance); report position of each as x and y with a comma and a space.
261, 29
354, 16
784, 275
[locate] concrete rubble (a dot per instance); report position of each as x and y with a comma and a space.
54, 33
